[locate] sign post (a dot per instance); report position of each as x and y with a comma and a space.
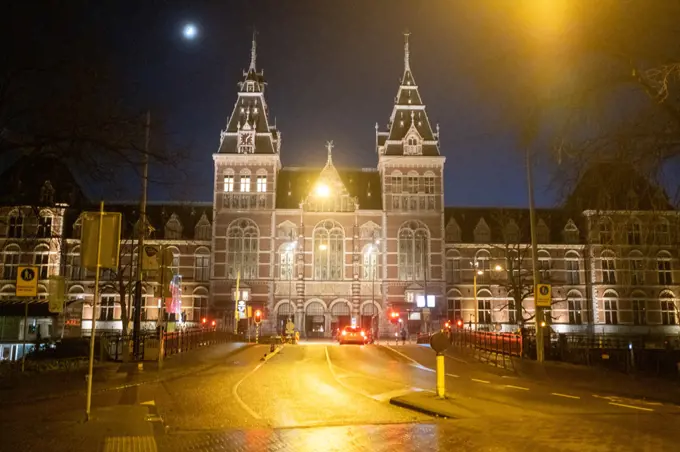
440, 342
543, 295
27, 286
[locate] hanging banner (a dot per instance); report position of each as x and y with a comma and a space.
57, 295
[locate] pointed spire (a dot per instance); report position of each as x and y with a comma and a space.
407, 56
329, 147
253, 53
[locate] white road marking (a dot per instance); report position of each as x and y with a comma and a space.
631, 406
234, 392
337, 378
480, 381
385, 396
416, 363
565, 395
517, 387
453, 375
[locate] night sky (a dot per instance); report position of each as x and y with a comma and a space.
333, 69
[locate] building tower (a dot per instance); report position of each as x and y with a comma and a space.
411, 171
246, 167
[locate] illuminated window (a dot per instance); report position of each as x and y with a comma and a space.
202, 269
668, 310
611, 309
608, 268
228, 183
370, 262
261, 184
664, 267
572, 268
413, 250
245, 183
329, 251
242, 249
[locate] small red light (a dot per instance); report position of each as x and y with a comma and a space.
460, 323
344, 332
204, 320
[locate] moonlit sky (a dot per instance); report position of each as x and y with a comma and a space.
333, 69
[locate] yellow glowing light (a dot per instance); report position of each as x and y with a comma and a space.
498, 268
543, 324
323, 247
479, 272
323, 190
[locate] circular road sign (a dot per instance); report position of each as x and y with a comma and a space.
27, 274
439, 342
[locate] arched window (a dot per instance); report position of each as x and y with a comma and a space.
429, 182
45, 225
242, 249
329, 251
370, 262
484, 307
77, 228
286, 260
605, 231
455, 305
482, 266
572, 267
637, 269
202, 269
608, 261
175, 260
73, 269
639, 307
412, 182
42, 260
570, 232
413, 251
200, 306
610, 302
173, 228
15, 228
665, 272
11, 262
453, 232
669, 310
633, 232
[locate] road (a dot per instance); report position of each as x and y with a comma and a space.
319, 396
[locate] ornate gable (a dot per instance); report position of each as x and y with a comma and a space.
329, 193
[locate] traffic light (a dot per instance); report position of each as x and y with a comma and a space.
258, 316
447, 325
394, 317
204, 320
459, 322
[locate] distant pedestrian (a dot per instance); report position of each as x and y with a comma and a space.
403, 336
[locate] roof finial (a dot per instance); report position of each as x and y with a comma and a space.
407, 63
329, 147
253, 52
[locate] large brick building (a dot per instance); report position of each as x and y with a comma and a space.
333, 246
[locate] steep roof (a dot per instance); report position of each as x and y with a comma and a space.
408, 118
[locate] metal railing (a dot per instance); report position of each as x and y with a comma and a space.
503, 343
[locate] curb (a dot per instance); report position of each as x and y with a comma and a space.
410, 406
270, 355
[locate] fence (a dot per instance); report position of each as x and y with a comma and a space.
502, 343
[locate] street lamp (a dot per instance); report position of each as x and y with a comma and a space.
290, 248
374, 269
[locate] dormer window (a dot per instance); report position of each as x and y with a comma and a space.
412, 146
250, 87
246, 143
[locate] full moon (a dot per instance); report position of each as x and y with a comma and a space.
190, 31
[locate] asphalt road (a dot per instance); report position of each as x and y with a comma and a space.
320, 396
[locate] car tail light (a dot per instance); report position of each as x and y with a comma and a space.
363, 334
344, 333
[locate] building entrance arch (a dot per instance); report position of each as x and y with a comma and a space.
315, 320
341, 316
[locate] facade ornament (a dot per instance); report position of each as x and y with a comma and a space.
407, 62
329, 147
253, 53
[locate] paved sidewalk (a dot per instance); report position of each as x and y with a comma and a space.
110, 375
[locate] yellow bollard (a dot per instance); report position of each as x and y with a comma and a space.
441, 375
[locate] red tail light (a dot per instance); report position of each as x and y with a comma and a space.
344, 332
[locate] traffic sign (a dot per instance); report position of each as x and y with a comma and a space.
57, 294
27, 281
241, 305
543, 295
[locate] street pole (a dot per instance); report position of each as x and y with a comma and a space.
161, 309
140, 242
534, 260
88, 403
236, 296
23, 351
474, 290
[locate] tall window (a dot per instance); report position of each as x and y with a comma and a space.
413, 251
605, 230
229, 183
397, 186
572, 268
245, 184
329, 251
481, 266
286, 259
455, 306
261, 184
608, 268
570, 232
544, 265
634, 233
11, 263
512, 311
202, 269
107, 308
75, 271
370, 262
639, 312
429, 184
242, 249
42, 261
664, 269
203, 229
574, 309
484, 309
668, 310
15, 228
637, 272
45, 226
611, 309
482, 232
200, 308
662, 232
412, 183
173, 228
453, 269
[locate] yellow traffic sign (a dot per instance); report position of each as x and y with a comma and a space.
27, 281
543, 295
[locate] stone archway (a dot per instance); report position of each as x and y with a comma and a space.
341, 315
315, 320
284, 311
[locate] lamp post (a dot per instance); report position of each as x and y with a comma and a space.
290, 250
374, 269
534, 260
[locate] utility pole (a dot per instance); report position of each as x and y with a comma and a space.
140, 243
534, 261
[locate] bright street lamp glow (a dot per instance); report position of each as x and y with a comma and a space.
190, 31
479, 272
323, 190
498, 268
323, 247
